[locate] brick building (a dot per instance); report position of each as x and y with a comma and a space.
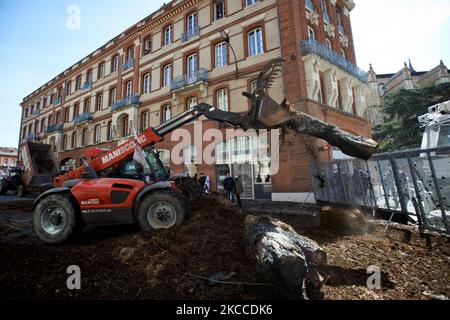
176, 57
8, 159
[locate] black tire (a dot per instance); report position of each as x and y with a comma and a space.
56, 220
3, 187
21, 191
191, 189
161, 209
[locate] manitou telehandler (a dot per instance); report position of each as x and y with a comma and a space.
113, 188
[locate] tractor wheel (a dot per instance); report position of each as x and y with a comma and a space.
161, 209
21, 191
57, 220
3, 187
191, 189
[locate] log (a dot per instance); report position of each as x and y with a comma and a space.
283, 257
355, 146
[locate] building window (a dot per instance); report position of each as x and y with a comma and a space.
115, 63
78, 83
253, 86
219, 10
76, 109
66, 115
328, 43
192, 66
222, 99
166, 113
147, 46
125, 127
99, 102
192, 26
191, 103
74, 140
112, 96
326, 16
144, 120
167, 77
129, 89
44, 103
64, 142
69, 88
109, 133
251, 2
130, 54
168, 35
255, 42
97, 133
339, 22
311, 33
89, 76
85, 137
87, 106
101, 71
146, 85
221, 54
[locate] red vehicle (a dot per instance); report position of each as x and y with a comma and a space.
113, 188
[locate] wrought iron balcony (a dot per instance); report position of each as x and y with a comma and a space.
312, 46
32, 136
310, 5
55, 128
131, 100
128, 65
200, 75
194, 32
58, 101
87, 85
85, 117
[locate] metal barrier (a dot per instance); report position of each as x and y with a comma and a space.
415, 183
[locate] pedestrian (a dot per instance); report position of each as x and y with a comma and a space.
228, 186
195, 178
268, 178
202, 181
259, 179
207, 185
238, 190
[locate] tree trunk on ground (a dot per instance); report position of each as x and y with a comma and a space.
284, 257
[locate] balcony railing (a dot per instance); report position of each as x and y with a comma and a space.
55, 128
58, 101
85, 117
32, 136
200, 75
87, 85
128, 65
131, 100
192, 33
310, 5
312, 46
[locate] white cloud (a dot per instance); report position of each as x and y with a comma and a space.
388, 32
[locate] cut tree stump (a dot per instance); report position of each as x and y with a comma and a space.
284, 258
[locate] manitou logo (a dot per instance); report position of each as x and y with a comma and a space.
91, 202
117, 153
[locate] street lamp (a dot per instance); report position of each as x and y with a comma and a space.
226, 38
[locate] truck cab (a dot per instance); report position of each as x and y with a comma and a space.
437, 126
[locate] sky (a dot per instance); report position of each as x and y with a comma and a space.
37, 43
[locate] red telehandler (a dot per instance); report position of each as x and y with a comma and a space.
113, 188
